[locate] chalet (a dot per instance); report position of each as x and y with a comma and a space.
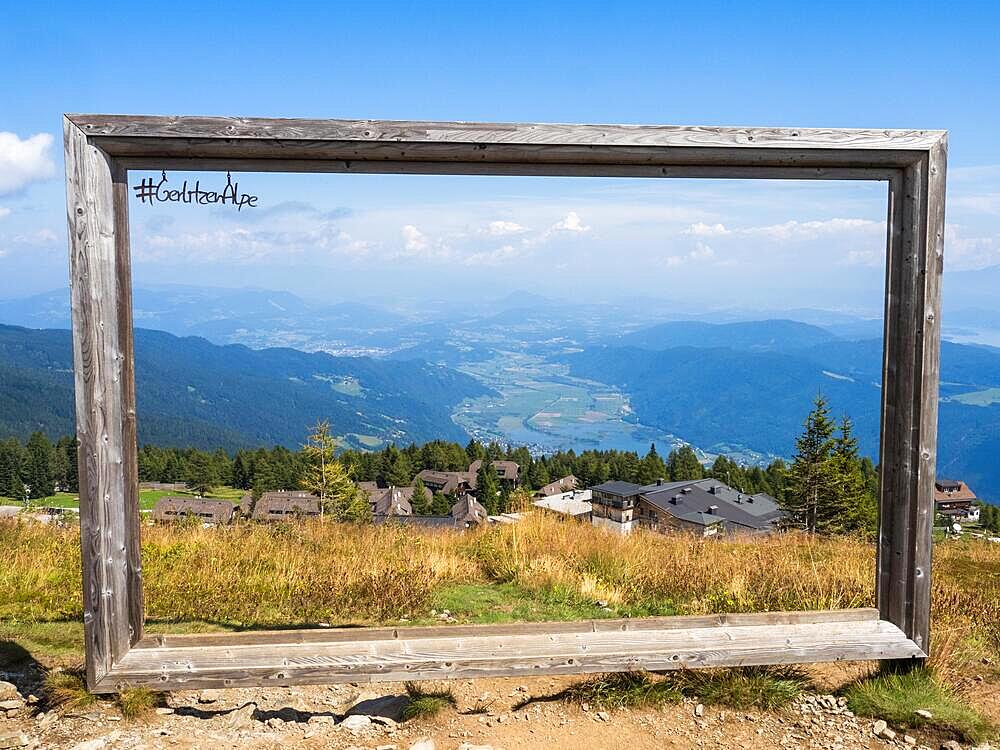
573, 504
284, 505
389, 501
558, 487
705, 507
954, 500
447, 482
173, 509
465, 514
507, 471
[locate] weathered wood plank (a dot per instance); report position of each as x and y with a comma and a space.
97, 366
547, 134
130, 462
630, 625
910, 394
560, 651
652, 171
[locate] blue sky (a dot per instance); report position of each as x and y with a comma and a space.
855, 65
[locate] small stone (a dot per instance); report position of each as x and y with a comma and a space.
209, 696
9, 692
424, 743
699, 710
909, 739
950, 745
603, 716
356, 723
242, 717
385, 747
15, 704
164, 711
275, 723
878, 727
96, 744
923, 713
13, 739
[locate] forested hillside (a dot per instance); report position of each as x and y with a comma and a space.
192, 392
713, 396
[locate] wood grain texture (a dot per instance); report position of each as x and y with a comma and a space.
489, 651
910, 393
549, 134
386, 166
98, 360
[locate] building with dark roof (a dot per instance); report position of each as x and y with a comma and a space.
173, 509
507, 471
558, 487
704, 506
447, 482
285, 505
465, 514
388, 501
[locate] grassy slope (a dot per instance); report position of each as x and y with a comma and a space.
147, 498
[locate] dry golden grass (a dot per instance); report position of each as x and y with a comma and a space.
256, 575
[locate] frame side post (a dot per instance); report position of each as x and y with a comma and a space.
910, 394
98, 357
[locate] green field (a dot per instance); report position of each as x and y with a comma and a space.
147, 498
978, 398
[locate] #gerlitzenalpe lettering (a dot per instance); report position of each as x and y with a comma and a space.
148, 190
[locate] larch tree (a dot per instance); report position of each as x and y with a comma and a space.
327, 478
487, 488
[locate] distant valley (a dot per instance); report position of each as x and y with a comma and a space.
524, 369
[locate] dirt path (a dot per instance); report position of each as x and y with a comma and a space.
309, 717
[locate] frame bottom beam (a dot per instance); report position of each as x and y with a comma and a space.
435, 653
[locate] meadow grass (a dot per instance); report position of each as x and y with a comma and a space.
896, 698
426, 702
302, 574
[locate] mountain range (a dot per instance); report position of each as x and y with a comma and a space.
193, 392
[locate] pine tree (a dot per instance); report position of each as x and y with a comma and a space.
487, 490
40, 470
652, 467
396, 469
441, 504
201, 473
683, 465
538, 475
853, 506
421, 498
811, 481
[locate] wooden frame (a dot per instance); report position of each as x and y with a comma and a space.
100, 149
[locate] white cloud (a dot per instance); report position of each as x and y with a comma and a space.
701, 229
4, 212
37, 238
415, 241
986, 203
702, 253
493, 257
812, 230
572, 223
502, 228
963, 251
24, 162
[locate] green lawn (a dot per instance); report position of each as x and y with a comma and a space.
147, 498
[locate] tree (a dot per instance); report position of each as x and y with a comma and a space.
810, 478
538, 475
441, 504
652, 467
327, 478
13, 462
683, 465
40, 469
487, 489
396, 469
421, 498
201, 473
852, 507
